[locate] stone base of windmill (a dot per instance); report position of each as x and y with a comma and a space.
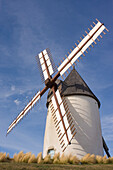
88, 139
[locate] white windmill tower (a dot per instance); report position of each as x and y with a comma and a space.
84, 108
71, 119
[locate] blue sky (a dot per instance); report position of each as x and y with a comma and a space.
28, 27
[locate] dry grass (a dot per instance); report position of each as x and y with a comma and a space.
39, 158
99, 159
104, 159
18, 157
32, 159
64, 159
84, 160
88, 159
73, 160
56, 158
26, 157
107, 160
47, 159
2, 157
8, 157
111, 159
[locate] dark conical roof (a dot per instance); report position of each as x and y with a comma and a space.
74, 85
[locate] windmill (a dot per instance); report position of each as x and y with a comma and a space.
63, 119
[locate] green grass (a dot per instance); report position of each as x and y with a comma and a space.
34, 166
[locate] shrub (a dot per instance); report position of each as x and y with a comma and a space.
99, 159
92, 159
64, 159
73, 160
26, 157
106, 161
111, 159
48, 159
1, 153
39, 158
7, 157
56, 158
88, 159
2, 157
32, 159
84, 160
18, 157
15, 157
56, 161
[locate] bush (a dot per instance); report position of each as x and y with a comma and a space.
64, 159
104, 159
39, 158
15, 157
32, 159
88, 159
26, 157
92, 159
111, 159
2, 157
18, 157
99, 159
56, 161
73, 160
56, 158
84, 160
107, 161
48, 159
7, 157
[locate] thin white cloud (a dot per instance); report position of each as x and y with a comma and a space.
17, 102
27, 87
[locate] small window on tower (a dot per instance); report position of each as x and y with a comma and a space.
51, 152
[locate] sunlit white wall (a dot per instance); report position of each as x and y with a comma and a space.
88, 138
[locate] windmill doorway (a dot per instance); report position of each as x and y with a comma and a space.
51, 152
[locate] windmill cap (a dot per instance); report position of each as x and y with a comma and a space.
73, 85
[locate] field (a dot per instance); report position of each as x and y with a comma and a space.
28, 161
33, 166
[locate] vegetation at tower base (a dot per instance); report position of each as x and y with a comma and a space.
57, 159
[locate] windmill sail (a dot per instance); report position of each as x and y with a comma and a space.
63, 126
46, 63
63, 120
81, 47
24, 111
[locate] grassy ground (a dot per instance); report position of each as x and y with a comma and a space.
33, 166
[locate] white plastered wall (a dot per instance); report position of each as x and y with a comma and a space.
86, 117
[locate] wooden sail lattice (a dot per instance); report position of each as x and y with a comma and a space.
65, 135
